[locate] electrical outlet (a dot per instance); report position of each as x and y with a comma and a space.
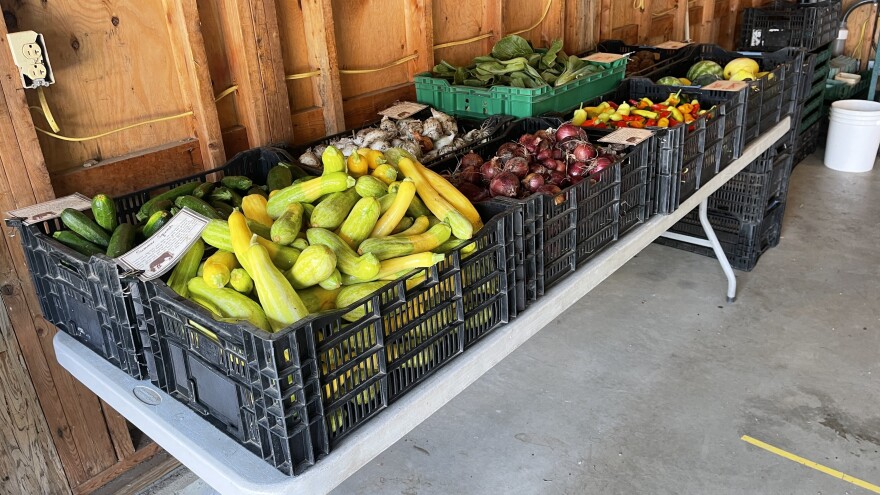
29, 53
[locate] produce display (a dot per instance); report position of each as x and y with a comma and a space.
513, 62
706, 72
641, 113
543, 162
639, 61
426, 139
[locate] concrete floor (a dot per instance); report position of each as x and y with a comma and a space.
648, 385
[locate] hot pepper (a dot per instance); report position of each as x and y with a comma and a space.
637, 124
613, 105
663, 122
620, 124
695, 105
676, 114
673, 99
646, 114
665, 114
685, 108
651, 123
688, 118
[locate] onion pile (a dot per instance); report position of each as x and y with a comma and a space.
544, 162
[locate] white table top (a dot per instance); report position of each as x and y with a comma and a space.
231, 469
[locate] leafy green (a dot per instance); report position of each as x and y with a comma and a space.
549, 58
512, 46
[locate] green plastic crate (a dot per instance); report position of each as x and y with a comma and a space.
809, 120
467, 101
836, 90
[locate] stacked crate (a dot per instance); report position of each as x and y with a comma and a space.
812, 100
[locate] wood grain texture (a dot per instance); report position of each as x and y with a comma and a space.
111, 62
580, 26
254, 51
365, 41
216, 49
454, 21
419, 22
308, 125
119, 434
191, 60
112, 472
28, 457
362, 109
317, 19
493, 22
140, 477
295, 46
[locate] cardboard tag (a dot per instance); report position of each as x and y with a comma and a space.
51, 209
605, 58
673, 45
629, 136
726, 85
161, 251
403, 109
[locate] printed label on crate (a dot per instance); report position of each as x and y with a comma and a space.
627, 135
673, 45
726, 85
403, 109
605, 58
50, 209
161, 251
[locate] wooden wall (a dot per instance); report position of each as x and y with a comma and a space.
299, 69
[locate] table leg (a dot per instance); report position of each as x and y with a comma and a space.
712, 242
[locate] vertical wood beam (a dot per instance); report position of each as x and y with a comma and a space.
258, 68
580, 31
419, 15
605, 25
191, 60
319, 27
493, 22
553, 26
118, 428
678, 24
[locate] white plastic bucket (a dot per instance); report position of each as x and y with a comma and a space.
853, 135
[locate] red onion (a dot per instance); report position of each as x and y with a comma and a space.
557, 178
473, 192
537, 168
558, 154
529, 142
470, 173
553, 191
505, 184
575, 180
545, 135
544, 154
491, 169
569, 131
471, 159
584, 151
517, 165
549, 164
533, 181
578, 169
560, 166
601, 163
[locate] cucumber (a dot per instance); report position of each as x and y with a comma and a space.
165, 204
104, 211
77, 243
223, 209
258, 190
187, 188
197, 205
203, 190
122, 240
296, 171
304, 178
259, 229
285, 229
331, 212
239, 182
279, 177
156, 222
85, 227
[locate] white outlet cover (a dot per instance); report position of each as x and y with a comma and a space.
31, 57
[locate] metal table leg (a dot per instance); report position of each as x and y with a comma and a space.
713, 243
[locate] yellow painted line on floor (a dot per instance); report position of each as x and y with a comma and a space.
810, 464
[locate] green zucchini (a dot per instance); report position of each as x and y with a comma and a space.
258, 190
223, 209
279, 177
204, 190
308, 192
185, 189
197, 205
156, 222
122, 240
165, 204
85, 227
239, 182
331, 212
288, 225
187, 268
370, 187
77, 243
104, 211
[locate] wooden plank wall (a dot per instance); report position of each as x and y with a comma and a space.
287, 71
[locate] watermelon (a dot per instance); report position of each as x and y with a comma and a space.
704, 67
669, 81
706, 79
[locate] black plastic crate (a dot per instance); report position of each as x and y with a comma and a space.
807, 142
743, 243
786, 24
83, 297
494, 126
748, 196
661, 55
635, 183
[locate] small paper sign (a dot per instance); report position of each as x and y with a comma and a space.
403, 110
605, 58
673, 45
161, 251
627, 135
51, 209
727, 85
